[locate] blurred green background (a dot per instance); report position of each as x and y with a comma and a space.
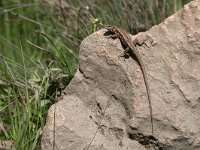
39, 44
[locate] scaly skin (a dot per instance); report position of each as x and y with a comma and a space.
128, 43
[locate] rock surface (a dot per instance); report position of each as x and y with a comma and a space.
105, 107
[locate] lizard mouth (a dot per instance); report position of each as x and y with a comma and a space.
108, 27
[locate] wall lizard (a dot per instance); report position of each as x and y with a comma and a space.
130, 47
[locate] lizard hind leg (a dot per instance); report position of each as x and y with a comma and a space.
126, 51
125, 54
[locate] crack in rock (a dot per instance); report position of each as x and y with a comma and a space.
146, 140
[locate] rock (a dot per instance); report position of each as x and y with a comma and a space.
105, 107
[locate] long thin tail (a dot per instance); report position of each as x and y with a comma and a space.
148, 94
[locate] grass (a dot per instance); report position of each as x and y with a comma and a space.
39, 46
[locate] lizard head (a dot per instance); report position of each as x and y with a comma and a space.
110, 28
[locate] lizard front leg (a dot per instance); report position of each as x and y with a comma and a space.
114, 36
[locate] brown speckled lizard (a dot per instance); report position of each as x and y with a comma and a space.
130, 47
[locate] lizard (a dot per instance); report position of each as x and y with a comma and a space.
126, 41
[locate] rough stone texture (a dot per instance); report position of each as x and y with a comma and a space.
108, 94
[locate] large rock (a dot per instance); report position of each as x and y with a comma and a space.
105, 107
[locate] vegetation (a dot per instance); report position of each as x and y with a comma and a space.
39, 43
